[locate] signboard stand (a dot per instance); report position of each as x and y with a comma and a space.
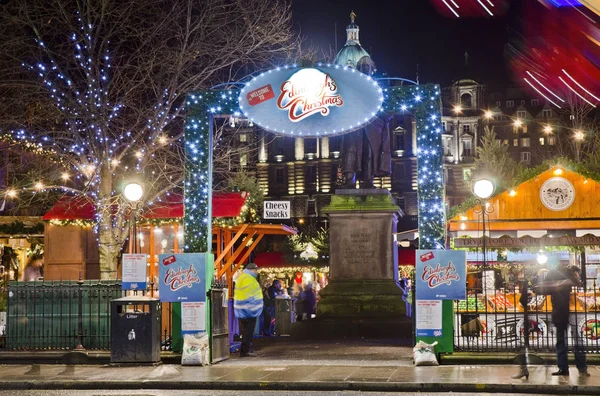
184, 278
440, 278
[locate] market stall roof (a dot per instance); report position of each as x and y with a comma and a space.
169, 206
557, 199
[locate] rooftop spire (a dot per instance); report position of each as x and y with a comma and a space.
352, 31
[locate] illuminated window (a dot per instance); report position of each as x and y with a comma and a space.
516, 142
243, 137
551, 140
525, 142
466, 148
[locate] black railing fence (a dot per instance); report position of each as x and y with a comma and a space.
495, 321
54, 315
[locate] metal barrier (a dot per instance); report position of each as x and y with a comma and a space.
65, 315
496, 322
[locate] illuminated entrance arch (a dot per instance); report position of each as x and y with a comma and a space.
422, 101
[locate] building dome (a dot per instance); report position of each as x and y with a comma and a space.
353, 54
350, 55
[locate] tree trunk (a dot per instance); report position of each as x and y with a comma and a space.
110, 241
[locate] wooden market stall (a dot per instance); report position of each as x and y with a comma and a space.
553, 217
71, 246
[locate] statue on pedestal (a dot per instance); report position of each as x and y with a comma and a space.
366, 153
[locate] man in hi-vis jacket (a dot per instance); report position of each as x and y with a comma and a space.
248, 305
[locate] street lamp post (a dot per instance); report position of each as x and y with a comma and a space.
483, 188
133, 193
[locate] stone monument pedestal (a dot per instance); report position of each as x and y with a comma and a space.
363, 293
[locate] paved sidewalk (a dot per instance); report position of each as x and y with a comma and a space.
259, 373
284, 364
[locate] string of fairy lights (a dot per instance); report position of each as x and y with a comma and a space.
92, 138
423, 101
202, 108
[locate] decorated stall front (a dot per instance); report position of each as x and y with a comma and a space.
550, 219
72, 247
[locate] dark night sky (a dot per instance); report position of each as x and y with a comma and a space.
399, 34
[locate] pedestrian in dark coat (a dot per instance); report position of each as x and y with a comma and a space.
309, 301
558, 284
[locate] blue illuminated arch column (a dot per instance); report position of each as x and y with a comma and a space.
423, 101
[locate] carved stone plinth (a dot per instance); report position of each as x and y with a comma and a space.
363, 298
363, 267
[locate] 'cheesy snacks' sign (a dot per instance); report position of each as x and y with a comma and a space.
276, 210
309, 102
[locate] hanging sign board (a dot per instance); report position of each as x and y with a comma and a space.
133, 271
182, 277
274, 210
311, 102
441, 275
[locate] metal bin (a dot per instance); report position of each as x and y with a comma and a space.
135, 330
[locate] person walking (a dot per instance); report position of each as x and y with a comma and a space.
248, 305
558, 284
523, 300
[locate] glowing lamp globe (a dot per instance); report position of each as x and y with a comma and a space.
133, 192
542, 258
483, 188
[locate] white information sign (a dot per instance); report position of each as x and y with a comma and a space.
193, 317
274, 210
429, 318
134, 271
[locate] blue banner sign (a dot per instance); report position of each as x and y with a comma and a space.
441, 275
182, 277
311, 102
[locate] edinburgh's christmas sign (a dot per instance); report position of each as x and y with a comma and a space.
321, 101
182, 277
440, 275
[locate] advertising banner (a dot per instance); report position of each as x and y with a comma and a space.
441, 275
182, 277
311, 102
133, 271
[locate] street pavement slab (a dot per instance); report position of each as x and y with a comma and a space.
287, 365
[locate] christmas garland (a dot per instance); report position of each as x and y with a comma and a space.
18, 227
76, 222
